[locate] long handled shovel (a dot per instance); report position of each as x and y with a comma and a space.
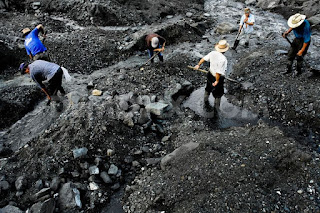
205, 71
149, 59
236, 42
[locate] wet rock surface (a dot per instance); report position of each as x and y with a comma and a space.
136, 138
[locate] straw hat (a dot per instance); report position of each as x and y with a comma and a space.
154, 42
25, 31
222, 46
296, 20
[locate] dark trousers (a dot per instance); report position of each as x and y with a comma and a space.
217, 91
55, 83
292, 54
42, 56
151, 52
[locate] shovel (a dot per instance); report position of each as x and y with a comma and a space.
205, 71
149, 59
236, 42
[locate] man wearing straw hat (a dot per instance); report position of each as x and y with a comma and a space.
155, 43
34, 47
299, 47
215, 76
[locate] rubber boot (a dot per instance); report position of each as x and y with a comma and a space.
217, 102
161, 58
289, 68
299, 65
206, 98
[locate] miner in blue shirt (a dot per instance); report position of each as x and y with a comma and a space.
34, 47
299, 47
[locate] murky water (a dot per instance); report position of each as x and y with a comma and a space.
227, 115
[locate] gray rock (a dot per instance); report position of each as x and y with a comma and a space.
39, 184
156, 108
115, 186
146, 100
41, 193
189, 14
268, 4
4, 185
206, 14
135, 108
165, 138
144, 116
113, 170
153, 161
105, 177
80, 152
128, 119
94, 170
10, 209
226, 27
93, 186
54, 185
153, 98
135, 163
67, 196
250, 2
169, 16
315, 21
177, 152
123, 105
47, 206
90, 85
98, 160
281, 52
20, 183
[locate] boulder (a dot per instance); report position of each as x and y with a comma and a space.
144, 116
177, 153
47, 206
315, 22
4, 185
41, 193
80, 152
69, 196
156, 108
226, 27
54, 185
113, 170
10, 209
268, 4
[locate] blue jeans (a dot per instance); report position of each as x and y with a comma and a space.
151, 53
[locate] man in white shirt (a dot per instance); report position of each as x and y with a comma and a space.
215, 76
246, 23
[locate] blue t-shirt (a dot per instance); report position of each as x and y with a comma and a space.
33, 44
303, 32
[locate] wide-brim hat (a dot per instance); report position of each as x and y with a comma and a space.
25, 31
222, 46
154, 42
296, 20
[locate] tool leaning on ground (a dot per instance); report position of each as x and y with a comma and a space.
154, 55
205, 71
236, 42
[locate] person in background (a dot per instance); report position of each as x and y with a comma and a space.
155, 43
34, 47
246, 23
40, 71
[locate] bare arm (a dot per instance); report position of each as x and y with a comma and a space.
199, 64
304, 46
217, 79
287, 32
45, 91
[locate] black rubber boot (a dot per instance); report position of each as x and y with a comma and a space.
289, 68
299, 65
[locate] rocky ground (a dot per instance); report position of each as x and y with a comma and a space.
146, 144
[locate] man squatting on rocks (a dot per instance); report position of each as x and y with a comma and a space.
299, 47
246, 22
42, 70
215, 76
155, 43
34, 47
